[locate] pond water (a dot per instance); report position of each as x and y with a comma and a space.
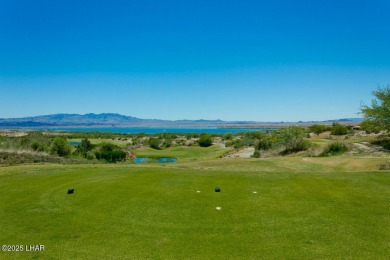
165, 160
141, 160
160, 160
74, 143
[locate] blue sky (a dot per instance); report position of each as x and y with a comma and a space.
231, 60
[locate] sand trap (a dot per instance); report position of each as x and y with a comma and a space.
218, 208
255, 192
198, 191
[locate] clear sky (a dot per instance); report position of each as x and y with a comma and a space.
256, 60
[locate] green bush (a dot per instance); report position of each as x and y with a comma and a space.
111, 156
229, 143
318, 129
167, 143
154, 143
335, 148
384, 142
237, 143
205, 140
339, 129
90, 156
293, 138
264, 143
108, 147
227, 136
256, 154
60, 147
38, 146
84, 147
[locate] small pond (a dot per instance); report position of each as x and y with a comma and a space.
159, 160
74, 143
141, 160
166, 159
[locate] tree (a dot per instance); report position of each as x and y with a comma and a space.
60, 147
205, 140
378, 115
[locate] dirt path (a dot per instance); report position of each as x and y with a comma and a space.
242, 153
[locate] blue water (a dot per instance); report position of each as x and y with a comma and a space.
152, 130
74, 143
160, 160
166, 160
141, 160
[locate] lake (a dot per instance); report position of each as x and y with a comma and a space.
155, 130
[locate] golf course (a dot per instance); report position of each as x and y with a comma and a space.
205, 130
271, 208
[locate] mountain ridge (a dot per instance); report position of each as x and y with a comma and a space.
118, 120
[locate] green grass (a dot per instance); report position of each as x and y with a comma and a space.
155, 212
304, 208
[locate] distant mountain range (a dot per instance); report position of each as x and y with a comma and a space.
117, 120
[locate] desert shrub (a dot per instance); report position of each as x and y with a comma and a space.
135, 141
256, 154
318, 129
335, 148
339, 129
227, 136
248, 141
90, 156
205, 140
264, 143
252, 138
84, 147
237, 143
167, 136
383, 141
154, 143
293, 139
229, 143
38, 146
24, 142
108, 147
60, 147
167, 143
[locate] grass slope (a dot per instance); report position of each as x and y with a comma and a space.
304, 208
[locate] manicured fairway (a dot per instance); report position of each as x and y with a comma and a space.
152, 211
